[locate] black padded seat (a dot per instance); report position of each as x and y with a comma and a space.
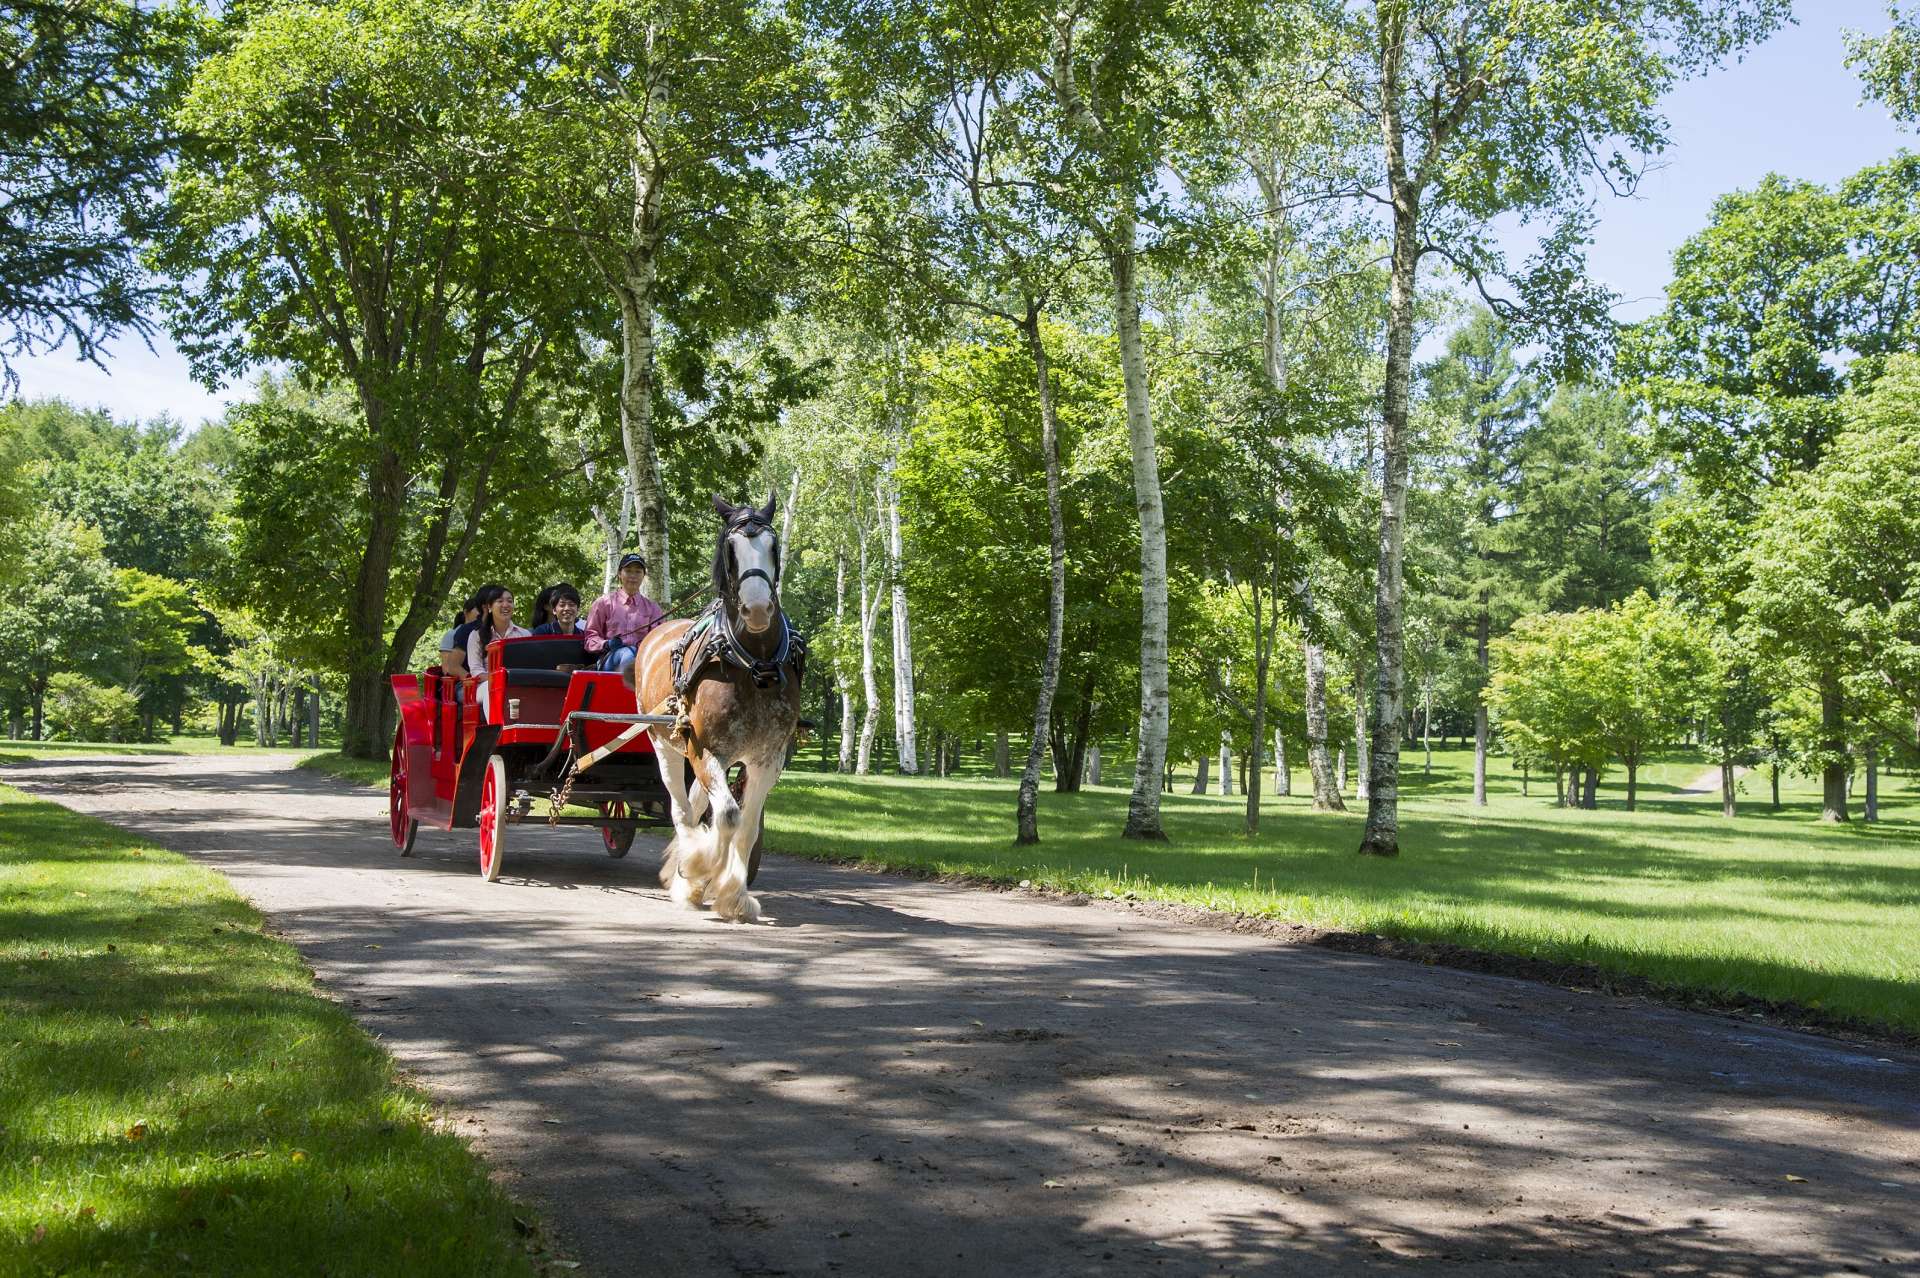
543, 652
521, 678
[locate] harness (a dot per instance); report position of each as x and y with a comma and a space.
712, 640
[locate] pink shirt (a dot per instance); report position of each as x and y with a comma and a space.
618, 618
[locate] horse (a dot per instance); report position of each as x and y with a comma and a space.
732, 678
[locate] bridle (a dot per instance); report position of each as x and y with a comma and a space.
766, 671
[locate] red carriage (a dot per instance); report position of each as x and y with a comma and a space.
478, 752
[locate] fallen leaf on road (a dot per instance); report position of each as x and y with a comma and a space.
554, 1122
373, 947
1051, 1184
1798, 1180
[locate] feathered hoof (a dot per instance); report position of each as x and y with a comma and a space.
684, 893
745, 910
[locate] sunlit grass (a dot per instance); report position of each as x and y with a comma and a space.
174, 1097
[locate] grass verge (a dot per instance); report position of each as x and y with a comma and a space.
360, 771
174, 1096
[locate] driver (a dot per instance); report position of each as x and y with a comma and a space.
620, 619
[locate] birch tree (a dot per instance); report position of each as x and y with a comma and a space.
643, 142
1484, 111
1117, 73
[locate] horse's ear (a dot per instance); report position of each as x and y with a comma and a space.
766, 511
723, 507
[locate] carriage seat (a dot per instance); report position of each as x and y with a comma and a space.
529, 662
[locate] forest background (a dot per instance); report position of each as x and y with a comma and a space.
1144, 387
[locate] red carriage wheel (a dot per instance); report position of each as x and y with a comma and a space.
494, 801
617, 840
405, 829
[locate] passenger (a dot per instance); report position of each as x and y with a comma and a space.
620, 619
496, 622
453, 644
540, 614
562, 617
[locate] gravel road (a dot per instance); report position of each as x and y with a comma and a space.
891, 1077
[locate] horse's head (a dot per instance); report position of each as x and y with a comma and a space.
746, 564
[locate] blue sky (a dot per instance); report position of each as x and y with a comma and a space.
1791, 107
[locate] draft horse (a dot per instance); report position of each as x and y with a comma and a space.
731, 679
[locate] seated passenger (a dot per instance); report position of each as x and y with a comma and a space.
620, 619
496, 622
453, 644
559, 614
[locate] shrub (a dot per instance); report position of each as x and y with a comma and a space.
78, 709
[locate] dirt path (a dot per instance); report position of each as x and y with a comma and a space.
898, 1077
1708, 782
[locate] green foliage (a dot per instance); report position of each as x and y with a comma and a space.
974, 492
84, 143
1576, 689
58, 613
1587, 501
1834, 562
78, 709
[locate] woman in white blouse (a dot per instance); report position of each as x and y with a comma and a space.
496, 622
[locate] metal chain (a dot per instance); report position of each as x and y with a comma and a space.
560, 796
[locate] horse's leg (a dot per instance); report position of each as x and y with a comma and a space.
725, 889
731, 900
685, 806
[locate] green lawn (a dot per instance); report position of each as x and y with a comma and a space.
174, 1096
1773, 906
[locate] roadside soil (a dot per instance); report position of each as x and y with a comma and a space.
892, 1076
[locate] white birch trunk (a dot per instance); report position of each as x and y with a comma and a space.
1093, 763
1282, 777
1226, 764
839, 679
870, 600
904, 729
639, 271
1360, 738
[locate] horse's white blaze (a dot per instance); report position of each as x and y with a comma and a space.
758, 598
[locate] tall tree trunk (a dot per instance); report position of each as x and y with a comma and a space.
1482, 628
1362, 782
1026, 804
1143, 808
1094, 763
1226, 765
1727, 803
1343, 769
1873, 781
639, 273
299, 721
1560, 788
1282, 775
1426, 728
1833, 741
1328, 785
904, 731
839, 679
1592, 799
1200, 775
313, 714
1633, 781
1002, 754
368, 693
1119, 234
1382, 836
870, 600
